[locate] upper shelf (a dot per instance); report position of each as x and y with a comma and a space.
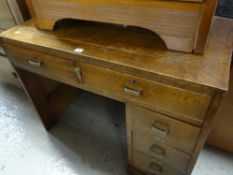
182, 24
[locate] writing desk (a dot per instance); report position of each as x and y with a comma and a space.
171, 97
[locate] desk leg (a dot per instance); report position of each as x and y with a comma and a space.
49, 103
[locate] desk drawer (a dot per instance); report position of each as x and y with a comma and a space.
162, 129
42, 64
175, 102
151, 166
142, 142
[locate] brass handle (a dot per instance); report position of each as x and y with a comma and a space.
132, 91
78, 73
160, 128
157, 151
35, 62
155, 167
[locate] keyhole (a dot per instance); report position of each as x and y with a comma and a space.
134, 81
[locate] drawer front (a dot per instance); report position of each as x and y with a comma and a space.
178, 103
42, 64
142, 142
174, 102
151, 166
162, 129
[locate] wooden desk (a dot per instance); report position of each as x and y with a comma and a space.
171, 98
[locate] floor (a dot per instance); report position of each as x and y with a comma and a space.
89, 139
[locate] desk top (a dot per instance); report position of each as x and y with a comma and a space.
136, 52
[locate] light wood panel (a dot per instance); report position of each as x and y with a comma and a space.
174, 21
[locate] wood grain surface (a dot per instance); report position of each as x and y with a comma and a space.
147, 58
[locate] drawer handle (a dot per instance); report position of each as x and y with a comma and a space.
160, 128
132, 91
78, 73
155, 167
157, 151
35, 62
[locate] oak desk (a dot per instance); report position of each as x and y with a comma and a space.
171, 98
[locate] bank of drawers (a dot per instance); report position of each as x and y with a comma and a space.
146, 146
159, 144
176, 134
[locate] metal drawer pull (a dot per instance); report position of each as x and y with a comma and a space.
155, 167
160, 128
78, 73
157, 151
35, 62
132, 91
